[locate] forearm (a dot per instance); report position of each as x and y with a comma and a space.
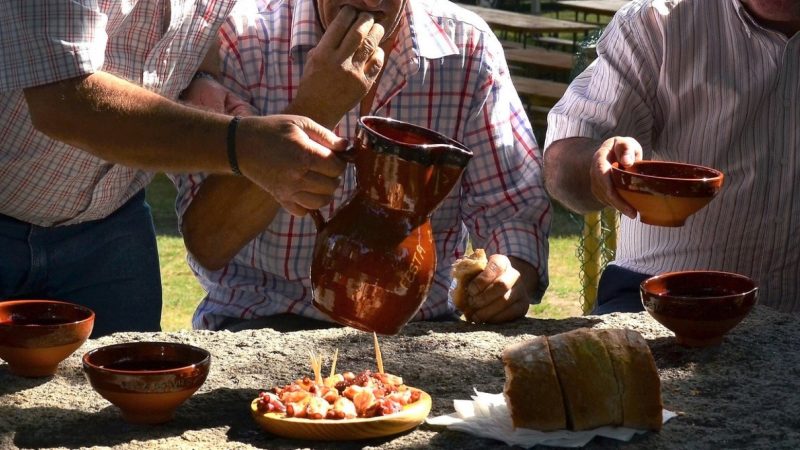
123, 123
567, 163
212, 238
226, 214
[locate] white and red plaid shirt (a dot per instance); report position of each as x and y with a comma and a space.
446, 72
46, 182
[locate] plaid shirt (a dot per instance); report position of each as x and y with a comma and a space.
446, 72
46, 182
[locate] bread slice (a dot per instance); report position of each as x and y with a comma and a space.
586, 375
637, 378
463, 271
532, 391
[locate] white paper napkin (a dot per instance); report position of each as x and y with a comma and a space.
486, 415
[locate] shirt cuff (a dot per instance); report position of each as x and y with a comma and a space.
526, 242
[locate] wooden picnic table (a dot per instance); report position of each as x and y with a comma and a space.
597, 7
537, 57
527, 23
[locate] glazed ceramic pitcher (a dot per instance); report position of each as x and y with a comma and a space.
374, 260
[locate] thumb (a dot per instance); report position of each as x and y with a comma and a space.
323, 136
628, 150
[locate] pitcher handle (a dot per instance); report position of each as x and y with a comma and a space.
347, 155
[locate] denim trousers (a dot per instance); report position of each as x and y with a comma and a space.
618, 291
108, 265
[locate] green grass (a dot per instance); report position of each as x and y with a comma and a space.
182, 292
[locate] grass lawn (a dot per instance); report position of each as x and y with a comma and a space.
182, 292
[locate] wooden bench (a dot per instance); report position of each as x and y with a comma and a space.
536, 92
537, 57
537, 115
570, 45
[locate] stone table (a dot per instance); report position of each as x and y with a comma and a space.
744, 393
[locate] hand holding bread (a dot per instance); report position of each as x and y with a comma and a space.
494, 289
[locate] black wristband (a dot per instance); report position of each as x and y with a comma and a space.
234, 163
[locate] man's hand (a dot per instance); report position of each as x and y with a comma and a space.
496, 296
292, 161
342, 68
624, 150
291, 158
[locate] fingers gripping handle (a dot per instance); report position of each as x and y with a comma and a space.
347, 155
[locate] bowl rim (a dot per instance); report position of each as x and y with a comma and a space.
665, 275
615, 166
88, 364
90, 317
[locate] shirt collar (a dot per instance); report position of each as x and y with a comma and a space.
751, 24
423, 34
744, 16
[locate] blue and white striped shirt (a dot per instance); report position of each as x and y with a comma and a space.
700, 81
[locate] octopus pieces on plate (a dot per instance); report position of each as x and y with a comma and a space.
340, 396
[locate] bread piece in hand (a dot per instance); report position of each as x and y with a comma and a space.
637, 378
532, 391
590, 389
465, 270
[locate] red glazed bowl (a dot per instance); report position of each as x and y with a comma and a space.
36, 335
147, 381
699, 306
666, 193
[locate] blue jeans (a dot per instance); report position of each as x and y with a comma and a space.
618, 291
108, 265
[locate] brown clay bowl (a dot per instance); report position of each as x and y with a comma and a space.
36, 335
699, 306
666, 193
147, 380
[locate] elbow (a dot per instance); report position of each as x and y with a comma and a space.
561, 181
204, 249
551, 173
59, 109
44, 117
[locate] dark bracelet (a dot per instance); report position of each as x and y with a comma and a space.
234, 163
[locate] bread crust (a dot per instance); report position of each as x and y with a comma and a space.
590, 390
583, 379
532, 390
637, 375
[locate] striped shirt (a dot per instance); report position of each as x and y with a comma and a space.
700, 81
147, 42
446, 72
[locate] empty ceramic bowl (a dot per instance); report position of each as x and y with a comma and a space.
147, 380
666, 193
699, 306
36, 335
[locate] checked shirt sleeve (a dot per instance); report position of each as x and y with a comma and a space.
504, 203
45, 41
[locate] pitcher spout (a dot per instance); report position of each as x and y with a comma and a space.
407, 167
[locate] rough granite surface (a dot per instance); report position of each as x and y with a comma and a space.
744, 393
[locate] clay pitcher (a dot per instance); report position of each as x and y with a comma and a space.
374, 260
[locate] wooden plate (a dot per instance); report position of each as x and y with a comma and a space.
345, 429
